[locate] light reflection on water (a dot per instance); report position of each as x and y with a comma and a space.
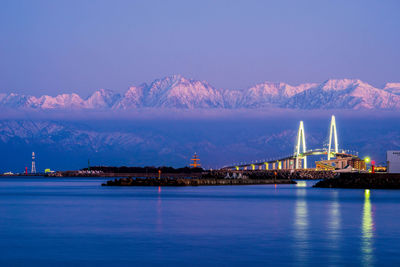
301, 225
301, 184
159, 209
67, 221
367, 231
334, 228
334, 232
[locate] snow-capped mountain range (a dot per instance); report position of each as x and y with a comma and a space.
178, 92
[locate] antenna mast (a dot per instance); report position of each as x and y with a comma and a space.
195, 160
33, 169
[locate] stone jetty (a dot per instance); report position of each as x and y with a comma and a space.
224, 177
362, 181
309, 174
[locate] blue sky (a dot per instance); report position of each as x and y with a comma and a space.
79, 46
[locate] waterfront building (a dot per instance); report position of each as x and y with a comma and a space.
393, 161
342, 161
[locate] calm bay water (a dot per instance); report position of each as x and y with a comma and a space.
70, 222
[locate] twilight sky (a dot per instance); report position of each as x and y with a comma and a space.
79, 46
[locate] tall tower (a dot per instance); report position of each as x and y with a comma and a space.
301, 141
33, 169
333, 133
196, 163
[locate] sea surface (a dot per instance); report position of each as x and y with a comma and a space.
77, 222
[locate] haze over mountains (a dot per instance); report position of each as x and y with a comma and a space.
181, 93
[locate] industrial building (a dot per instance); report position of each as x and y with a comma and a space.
393, 161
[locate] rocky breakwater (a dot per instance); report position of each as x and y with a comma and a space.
310, 174
363, 181
194, 181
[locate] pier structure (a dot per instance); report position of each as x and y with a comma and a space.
298, 160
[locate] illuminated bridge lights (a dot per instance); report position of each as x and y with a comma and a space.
332, 130
301, 140
299, 158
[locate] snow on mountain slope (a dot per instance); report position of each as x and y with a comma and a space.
393, 88
172, 92
61, 101
373, 98
271, 93
344, 94
133, 98
14, 100
232, 98
67, 136
178, 92
102, 99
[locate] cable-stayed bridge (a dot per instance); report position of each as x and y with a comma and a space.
299, 159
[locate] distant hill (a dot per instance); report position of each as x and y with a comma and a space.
68, 144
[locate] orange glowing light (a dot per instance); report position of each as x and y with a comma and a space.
196, 163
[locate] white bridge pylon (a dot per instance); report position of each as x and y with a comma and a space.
332, 129
301, 140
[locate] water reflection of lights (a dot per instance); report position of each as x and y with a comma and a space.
301, 226
367, 231
301, 183
159, 210
334, 233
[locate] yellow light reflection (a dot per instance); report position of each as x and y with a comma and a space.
301, 183
367, 231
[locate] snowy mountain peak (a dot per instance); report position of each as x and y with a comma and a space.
393, 88
133, 98
60, 101
102, 98
177, 91
392, 85
340, 84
